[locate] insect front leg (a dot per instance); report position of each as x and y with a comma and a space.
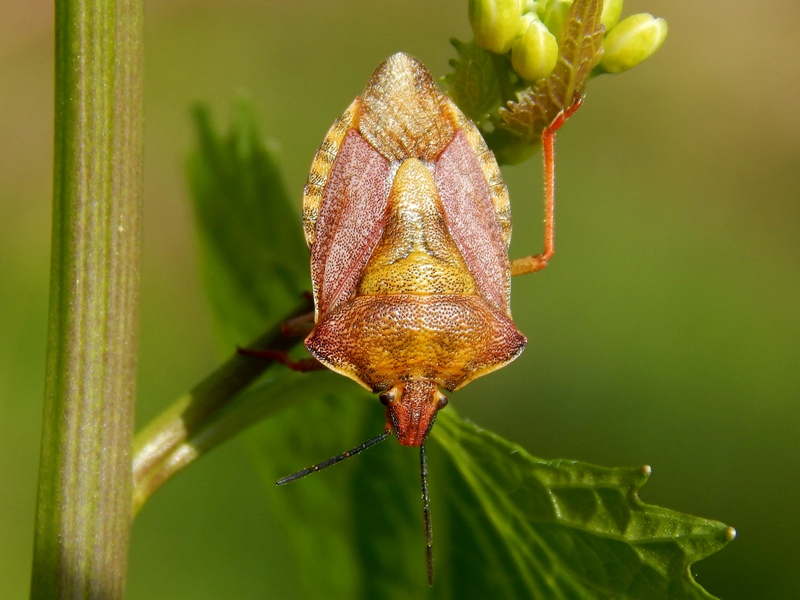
302, 365
298, 327
537, 262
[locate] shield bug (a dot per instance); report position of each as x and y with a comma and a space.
408, 222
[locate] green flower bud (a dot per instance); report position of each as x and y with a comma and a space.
535, 7
535, 52
555, 16
612, 9
633, 40
495, 23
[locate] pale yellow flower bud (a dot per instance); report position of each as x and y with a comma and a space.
535, 52
633, 40
495, 23
612, 9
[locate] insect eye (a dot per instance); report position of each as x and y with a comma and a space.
386, 398
442, 402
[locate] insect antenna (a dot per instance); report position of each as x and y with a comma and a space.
335, 459
426, 513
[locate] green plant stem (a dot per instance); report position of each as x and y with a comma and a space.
83, 507
211, 413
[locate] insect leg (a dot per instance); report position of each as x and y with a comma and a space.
299, 326
537, 262
303, 365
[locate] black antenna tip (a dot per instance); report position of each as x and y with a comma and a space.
426, 514
333, 460
429, 559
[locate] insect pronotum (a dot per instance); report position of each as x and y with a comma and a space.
408, 222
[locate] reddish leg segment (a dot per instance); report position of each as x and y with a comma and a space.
299, 326
531, 264
304, 365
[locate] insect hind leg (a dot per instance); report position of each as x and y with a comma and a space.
537, 262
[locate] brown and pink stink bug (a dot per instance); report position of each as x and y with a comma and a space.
408, 222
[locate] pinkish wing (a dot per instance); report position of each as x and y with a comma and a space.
472, 220
350, 221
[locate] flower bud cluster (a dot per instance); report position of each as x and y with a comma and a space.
530, 30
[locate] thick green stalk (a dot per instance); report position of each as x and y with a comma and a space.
83, 511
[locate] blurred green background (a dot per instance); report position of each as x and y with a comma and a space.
666, 331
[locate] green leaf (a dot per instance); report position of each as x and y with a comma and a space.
506, 524
255, 260
566, 528
478, 79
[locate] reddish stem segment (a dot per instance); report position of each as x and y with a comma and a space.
537, 262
